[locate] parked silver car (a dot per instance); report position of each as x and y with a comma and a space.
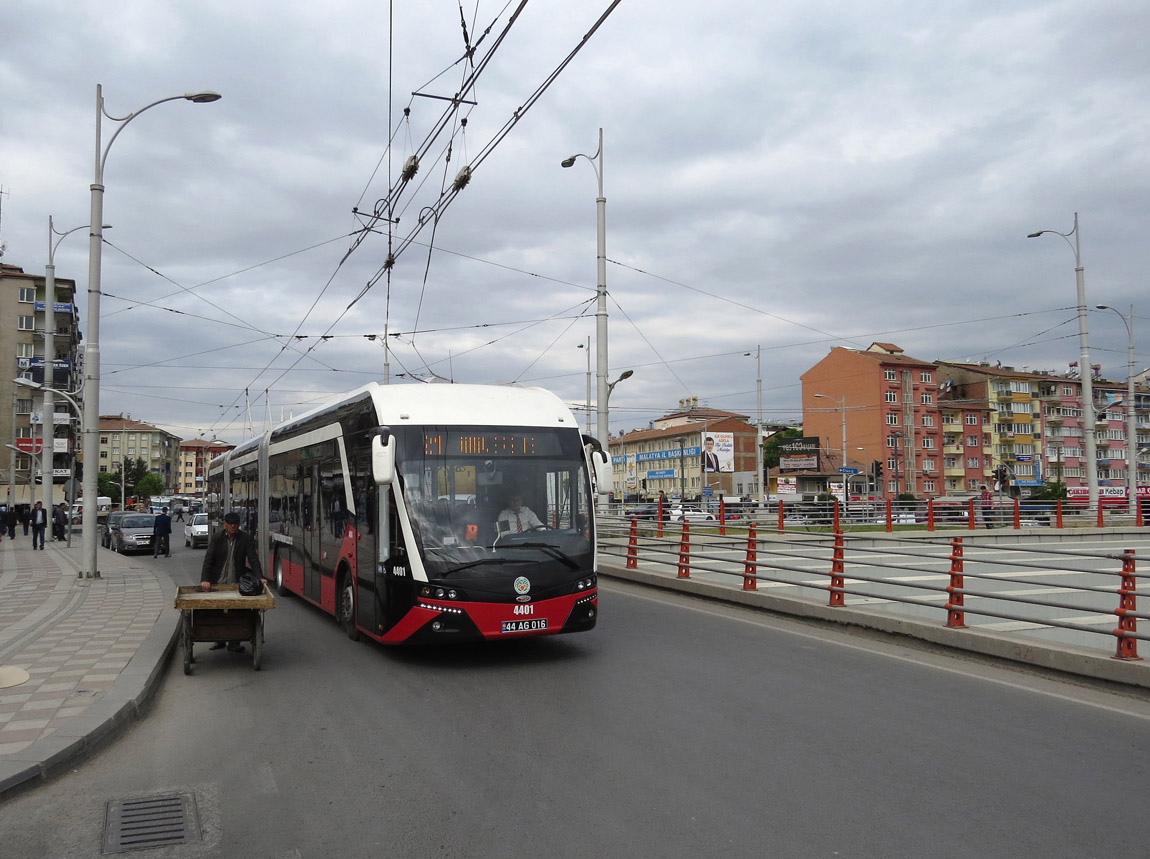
133, 533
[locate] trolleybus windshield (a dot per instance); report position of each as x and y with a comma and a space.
460, 484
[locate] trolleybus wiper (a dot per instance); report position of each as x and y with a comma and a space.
558, 554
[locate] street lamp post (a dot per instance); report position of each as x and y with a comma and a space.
602, 416
682, 472
48, 409
1131, 418
67, 395
1086, 372
588, 348
91, 384
759, 426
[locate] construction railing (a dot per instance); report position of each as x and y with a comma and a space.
1021, 588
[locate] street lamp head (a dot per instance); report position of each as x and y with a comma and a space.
1035, 235
568, 162
202, 97
1103, 307
28, 383
626, 374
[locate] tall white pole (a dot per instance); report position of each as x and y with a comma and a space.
91, 385
48, 406
1131, 423
1085, 368
759, 428
603, 415
1131, 417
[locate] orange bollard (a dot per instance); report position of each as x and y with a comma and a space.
837, 528
750, 569
955, 616
970, 514
722, 517
633, 546
780, 515
1058, 513
889, 519
1017, 515
1101, 518
930, 514
1127, 608
838, 598
685, 552
659, 514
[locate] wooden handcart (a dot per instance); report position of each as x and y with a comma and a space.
222, 614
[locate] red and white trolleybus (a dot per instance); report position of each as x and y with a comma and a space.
388, 508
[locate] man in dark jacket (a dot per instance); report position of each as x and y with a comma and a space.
230, 554
162, 534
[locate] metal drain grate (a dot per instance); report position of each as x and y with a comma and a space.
138, 824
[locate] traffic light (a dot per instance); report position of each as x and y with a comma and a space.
876, 470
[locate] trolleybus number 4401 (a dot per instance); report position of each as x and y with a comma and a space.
523, 625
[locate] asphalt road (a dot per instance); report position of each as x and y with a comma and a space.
678, 728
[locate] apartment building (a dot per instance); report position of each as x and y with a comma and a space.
885, 405
674, 456
195, 455
123, 438
24, 319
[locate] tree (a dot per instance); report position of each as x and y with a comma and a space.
771, 446
108, 484
149, 485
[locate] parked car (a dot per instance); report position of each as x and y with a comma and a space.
196, 531
133, 533
106, 532
691, 514
644, 511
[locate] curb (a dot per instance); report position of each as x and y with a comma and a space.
125, 702
1066, 659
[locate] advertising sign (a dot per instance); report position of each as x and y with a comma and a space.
718, 452
799, 454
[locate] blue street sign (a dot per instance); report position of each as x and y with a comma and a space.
848, 470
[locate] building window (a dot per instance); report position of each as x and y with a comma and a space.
924, 376
27, 323
972, 441
25, 350
927, 399
891, 396
892, 420
928, 420
23, 407
927, 443
28, 294
972, 420
973, 462
928, 465
928, 486
890, 375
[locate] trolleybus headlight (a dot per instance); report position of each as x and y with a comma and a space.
440, 593
452, 595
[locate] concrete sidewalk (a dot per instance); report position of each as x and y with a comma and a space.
79, 658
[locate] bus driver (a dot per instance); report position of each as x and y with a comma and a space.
516, 518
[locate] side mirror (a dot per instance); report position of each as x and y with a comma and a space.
383, 458
604, 474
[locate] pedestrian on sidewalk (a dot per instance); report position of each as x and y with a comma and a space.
39, 524
25, 516
60, 522
162, 534
231, 553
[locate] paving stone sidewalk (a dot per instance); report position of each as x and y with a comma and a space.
79, 657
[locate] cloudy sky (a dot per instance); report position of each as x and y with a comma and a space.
791, 176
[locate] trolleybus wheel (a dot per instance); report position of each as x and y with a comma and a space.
347, 606
281, 588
